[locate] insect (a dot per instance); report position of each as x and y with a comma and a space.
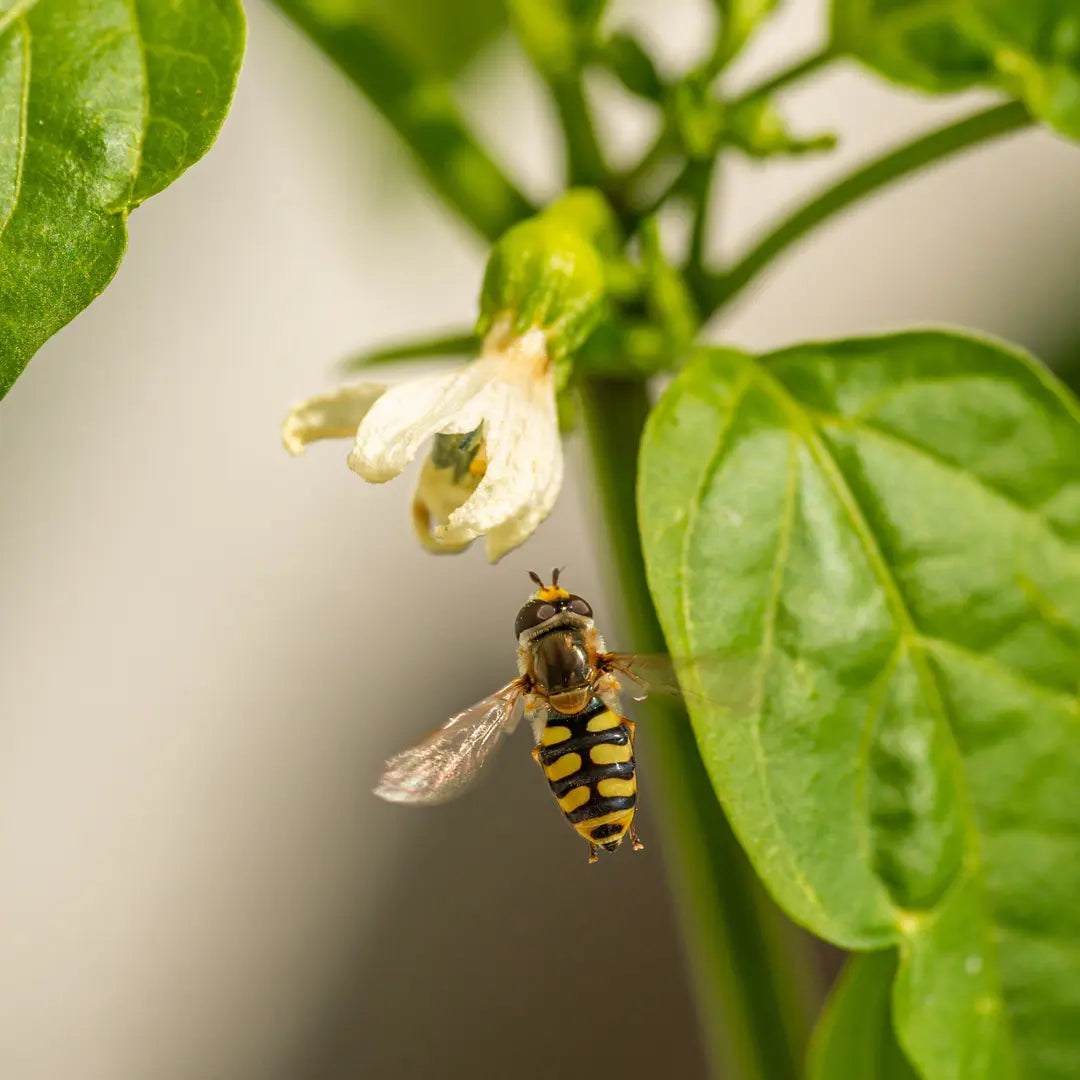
568, 689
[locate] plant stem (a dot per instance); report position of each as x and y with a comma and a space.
752, 968
699, 185
584, 160
717, 290
784, 78
422, 112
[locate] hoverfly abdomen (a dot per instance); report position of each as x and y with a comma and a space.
588, 759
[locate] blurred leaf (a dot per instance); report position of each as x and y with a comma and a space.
102, 104
463, 343
913, 42
854, 1036
1037, 51
628, 61
438, 36
1031, 49
420, 109
893, 525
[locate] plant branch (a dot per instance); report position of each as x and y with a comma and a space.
752, 967
714, 291
422, 112
584, 159
699, 185
786, 77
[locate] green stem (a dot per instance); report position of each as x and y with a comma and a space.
714, 291
699, 184
584, 159
422, 112
752, 968
786, 77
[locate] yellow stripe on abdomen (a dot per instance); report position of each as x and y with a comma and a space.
610, 753
563, 767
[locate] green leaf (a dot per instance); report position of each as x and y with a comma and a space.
914, 42
854, 1036
463, 343
892, 527
1037, 52
419, 107
1030, 49
102, 104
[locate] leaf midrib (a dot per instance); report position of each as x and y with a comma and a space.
20, 9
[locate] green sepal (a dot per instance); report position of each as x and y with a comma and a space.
549, 272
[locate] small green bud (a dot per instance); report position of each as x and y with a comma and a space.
632, 66
548, 272
759, 130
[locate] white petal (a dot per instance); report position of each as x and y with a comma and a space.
437, 496
524, 467
335, 415
408, 414
517, 530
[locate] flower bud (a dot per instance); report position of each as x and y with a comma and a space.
548, 273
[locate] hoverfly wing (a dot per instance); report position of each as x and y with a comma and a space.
723, 681
449, 760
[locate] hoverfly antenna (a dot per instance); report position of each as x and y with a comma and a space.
536, 577
555, 575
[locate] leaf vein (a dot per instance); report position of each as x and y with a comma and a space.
925, 452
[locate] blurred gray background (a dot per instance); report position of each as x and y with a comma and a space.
207, 648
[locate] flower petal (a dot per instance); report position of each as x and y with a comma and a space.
517, 530
335, 415
438, 494
399, 423
524, 467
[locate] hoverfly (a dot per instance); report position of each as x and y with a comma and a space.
568, 689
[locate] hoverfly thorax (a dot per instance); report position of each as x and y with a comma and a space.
557, 645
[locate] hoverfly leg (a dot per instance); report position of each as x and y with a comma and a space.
631, 727
634, 839
536, 756
593, 854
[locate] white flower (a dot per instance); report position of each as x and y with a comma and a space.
500, 479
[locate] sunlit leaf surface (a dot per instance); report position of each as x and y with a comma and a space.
894, 525
102, 104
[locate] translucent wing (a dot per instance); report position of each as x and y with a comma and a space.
444, 764
720, 681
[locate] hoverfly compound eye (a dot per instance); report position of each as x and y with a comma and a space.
533, 614
580, 607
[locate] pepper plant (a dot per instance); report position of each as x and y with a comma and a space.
879, 537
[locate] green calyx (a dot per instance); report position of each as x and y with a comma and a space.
548, 272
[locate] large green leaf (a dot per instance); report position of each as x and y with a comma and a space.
892, 527
854, 1036
102, 104
1030, 48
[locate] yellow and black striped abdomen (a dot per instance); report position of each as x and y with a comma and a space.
588, 760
